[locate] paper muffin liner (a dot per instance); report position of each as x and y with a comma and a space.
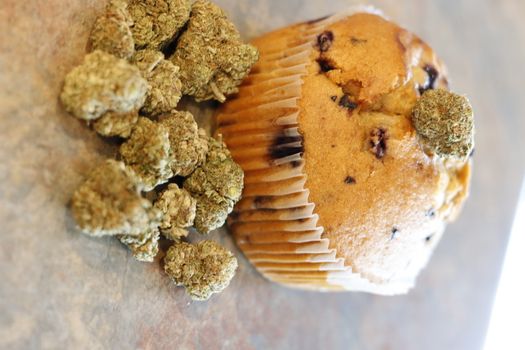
275, 224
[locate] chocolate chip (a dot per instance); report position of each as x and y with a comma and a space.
350, 180
430, 213
325, 65
333, 98
324, 40
378, 142
347, 102
432, 77
356, 41
394, 232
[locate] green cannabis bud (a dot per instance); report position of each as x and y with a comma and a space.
157, 22
144, 246
109, 202
111, 32
445, 123
178, 211
189, 144
101, 84
212, 211
147, 152
217, 184
212, 58
165, 86
116, 124
147, 60
203, 269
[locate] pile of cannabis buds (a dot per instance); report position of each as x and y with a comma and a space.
146, 54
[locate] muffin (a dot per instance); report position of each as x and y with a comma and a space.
349, 182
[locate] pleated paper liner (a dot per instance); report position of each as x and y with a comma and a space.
274, 224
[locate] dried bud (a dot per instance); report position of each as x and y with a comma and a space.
109, 202
147, 152
189, 144
178, 211
103, 83
145, 246
203, 269
212, 211
164, 92
219, 173
217, 185
111, 32
445, 123
157, 22
210, 54
147, 60
116, 124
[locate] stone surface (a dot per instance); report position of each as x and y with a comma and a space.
61, 289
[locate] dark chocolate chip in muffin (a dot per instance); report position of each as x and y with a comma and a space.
346, 102
325, 65
394, 233
350, 180
333, 98
432, 77
430, 213
324, 40
378, 142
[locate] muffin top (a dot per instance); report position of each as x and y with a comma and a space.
381, 196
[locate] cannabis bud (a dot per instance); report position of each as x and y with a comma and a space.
217, 185
165, 87
111, 32
203, 269
188, 143
116, 124
145, 246
157, 22
212, 58
147, 152
109, 202
103, 83
178, 211
445, 123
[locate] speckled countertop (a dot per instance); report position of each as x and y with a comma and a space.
61, 289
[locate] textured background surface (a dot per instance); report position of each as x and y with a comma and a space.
62, 289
